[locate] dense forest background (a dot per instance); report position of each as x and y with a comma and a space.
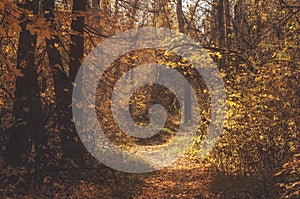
255, 44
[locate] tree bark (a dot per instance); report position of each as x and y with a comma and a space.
187, 89
62, 83
180, 18
27, 106
96, 10
228, 28
221, 30
238, 23
73, 149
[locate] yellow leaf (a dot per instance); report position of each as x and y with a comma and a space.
167, 53
278, 173
56, 45
219, 55
261, 137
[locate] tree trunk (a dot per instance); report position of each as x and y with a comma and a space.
62, 83
27, 106
221, 30
187, 89
228, 28
180, 18
73, 149
96, 11
238, 23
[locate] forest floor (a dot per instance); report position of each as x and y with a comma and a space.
188, 178
184, 179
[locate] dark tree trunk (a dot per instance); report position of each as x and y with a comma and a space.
27, 106
227, 31
238, 23
62, 83
228, 28
180, 18
73, 149
77, 38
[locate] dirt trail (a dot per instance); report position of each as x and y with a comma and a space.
185, 179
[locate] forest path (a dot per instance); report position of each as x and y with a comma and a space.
184, 179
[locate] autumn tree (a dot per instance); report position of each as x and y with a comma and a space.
28, 131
